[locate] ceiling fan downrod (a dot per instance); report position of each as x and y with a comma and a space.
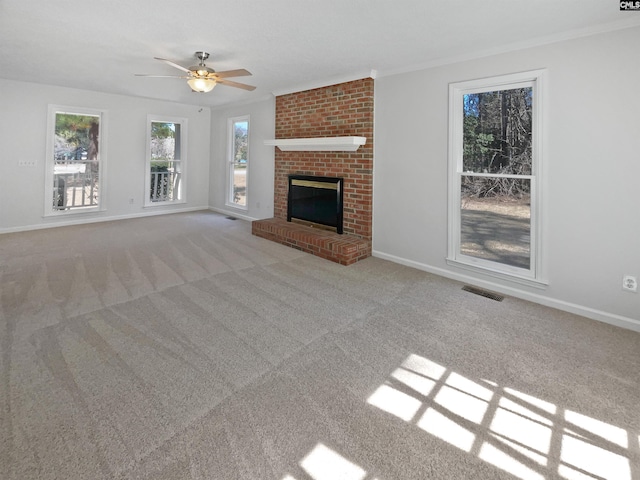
202, 56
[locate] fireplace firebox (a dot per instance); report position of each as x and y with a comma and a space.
315, 199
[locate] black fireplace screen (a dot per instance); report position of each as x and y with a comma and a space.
315, 199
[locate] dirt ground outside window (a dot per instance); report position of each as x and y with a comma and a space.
497, 229
240, 186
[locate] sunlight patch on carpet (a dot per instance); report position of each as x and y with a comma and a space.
395, 402
507, 428
324, 463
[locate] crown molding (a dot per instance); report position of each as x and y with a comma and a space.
513, 47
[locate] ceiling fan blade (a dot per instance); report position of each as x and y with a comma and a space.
235, 84
169, 62
241, 72
159, 76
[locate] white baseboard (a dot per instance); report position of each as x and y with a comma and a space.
599, 315
232, 213
84, 220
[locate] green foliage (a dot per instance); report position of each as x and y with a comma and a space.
163, 130
476, 144
74, 128
75, 132
164, 141
240, 140
159, 166
497, 136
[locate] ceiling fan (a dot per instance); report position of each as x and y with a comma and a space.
202, 78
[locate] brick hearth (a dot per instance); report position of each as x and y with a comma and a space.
336, 111
343, 249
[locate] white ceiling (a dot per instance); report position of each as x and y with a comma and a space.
288, 45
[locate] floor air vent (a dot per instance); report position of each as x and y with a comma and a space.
231, 218
483, 293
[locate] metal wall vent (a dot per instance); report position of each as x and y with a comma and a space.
483, 293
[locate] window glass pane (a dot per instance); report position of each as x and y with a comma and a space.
76, 161
239, 164
165, 162
497, 129
496, 220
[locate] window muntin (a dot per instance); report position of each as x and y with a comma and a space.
494, 168
238, 162
74, 165
166, 155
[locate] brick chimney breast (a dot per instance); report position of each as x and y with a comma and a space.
336, 111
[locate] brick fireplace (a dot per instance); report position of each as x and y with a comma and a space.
339, 110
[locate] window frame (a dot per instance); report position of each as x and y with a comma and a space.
182, 192
230, 182
536, 275
52, 111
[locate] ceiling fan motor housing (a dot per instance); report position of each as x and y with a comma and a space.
201, 70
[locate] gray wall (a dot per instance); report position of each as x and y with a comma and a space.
261, 159
23, 134
592, 221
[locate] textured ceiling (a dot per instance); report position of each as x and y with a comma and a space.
287, 44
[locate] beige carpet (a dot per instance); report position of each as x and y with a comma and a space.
182, 347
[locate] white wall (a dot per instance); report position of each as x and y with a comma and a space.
261, 159
23, 124
592, 164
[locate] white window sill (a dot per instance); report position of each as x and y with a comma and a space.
73, 211
164, 204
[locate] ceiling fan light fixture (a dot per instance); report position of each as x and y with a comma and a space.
202, 85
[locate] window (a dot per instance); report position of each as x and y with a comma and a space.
75, 158
166, 160
495, 175
238, 162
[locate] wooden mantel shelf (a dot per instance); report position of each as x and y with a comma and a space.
320, 144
